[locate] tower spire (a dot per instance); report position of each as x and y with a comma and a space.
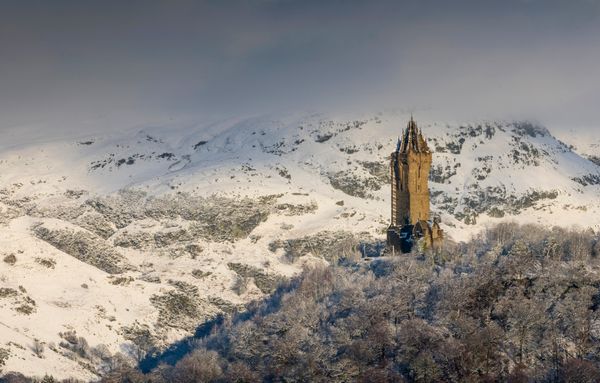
412, 135
422, 142
403, 140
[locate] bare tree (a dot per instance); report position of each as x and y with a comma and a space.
38, 348
200, 366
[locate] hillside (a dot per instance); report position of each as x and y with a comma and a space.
125, 241
516, 304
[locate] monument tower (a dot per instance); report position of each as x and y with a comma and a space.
409, 168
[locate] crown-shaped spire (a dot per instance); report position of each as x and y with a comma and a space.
412, 139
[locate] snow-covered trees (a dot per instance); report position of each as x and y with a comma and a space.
517, 304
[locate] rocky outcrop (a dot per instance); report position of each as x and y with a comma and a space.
85, 246
353, 184
328, 245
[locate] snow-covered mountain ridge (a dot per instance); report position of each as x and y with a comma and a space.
131, 239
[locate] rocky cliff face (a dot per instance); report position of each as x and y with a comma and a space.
124, 243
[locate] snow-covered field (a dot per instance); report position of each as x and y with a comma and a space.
109, 235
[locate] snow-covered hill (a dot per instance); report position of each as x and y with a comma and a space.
113, 243
584, 142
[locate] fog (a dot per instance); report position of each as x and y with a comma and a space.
62, 62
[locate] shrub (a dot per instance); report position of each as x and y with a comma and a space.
46, 262
38, 348
11, 259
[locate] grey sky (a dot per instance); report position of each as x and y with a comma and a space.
467, 58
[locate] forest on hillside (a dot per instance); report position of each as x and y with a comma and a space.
518, 303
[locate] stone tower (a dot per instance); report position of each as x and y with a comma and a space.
409, 166
409, 169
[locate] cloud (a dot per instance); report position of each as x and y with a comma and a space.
466, 58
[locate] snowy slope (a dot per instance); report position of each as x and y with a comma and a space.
586, 144
207, 205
